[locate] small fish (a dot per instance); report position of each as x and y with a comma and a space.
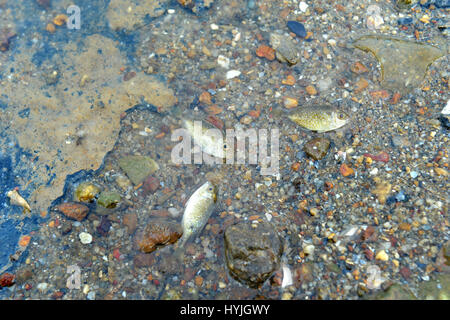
320, 118
16, 199
207, 141
198, 209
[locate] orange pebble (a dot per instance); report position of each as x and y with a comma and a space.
346, 170
289, 81
198, 281
50, 28
266, 52
295, 166
160, 135
24, 241
60, 19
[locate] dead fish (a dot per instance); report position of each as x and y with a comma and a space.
206, 137
198, 209
320, 118
16, 199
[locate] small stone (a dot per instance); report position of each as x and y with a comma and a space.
198, 281
252, 252
137, 167
50, 28
85, 238
309, 250
440, 171
346, 170
205, 98
382, 255
23, 274
324, 84
157, 232
311, 90
42, 287
297, 28
317, 148
302, 6
86, 192
265, 51
313, 211
60, 19
143, 260
382, 189
223, 61
150, 185
73, 210
233, 74
123, 182
66, 227
289, 81
108, 199
104, 226
360, 85
7, 280
358, 68
290, 103
130, 221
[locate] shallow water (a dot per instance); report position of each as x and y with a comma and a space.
74, 102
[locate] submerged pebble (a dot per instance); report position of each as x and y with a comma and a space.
297, 28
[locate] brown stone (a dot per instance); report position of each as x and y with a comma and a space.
7, 280
73, 210
157, 232
358, 68
317, 148
130, 221
150, 185
143, 260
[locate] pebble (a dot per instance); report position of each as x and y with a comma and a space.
297, 28
311, 90
382, 255
233, 74
73, 210
405, 21
85, 238
42, 287
290, 103
223, 61
324, 84
317, 148
302, 6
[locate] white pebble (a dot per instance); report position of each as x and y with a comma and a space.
214, 26
85, 238
42, 287
374, 171
309, 250
170, 11
223, 61
287, 277
446, 110
303, 6
233, 74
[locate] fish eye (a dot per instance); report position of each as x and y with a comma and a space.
342, 116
